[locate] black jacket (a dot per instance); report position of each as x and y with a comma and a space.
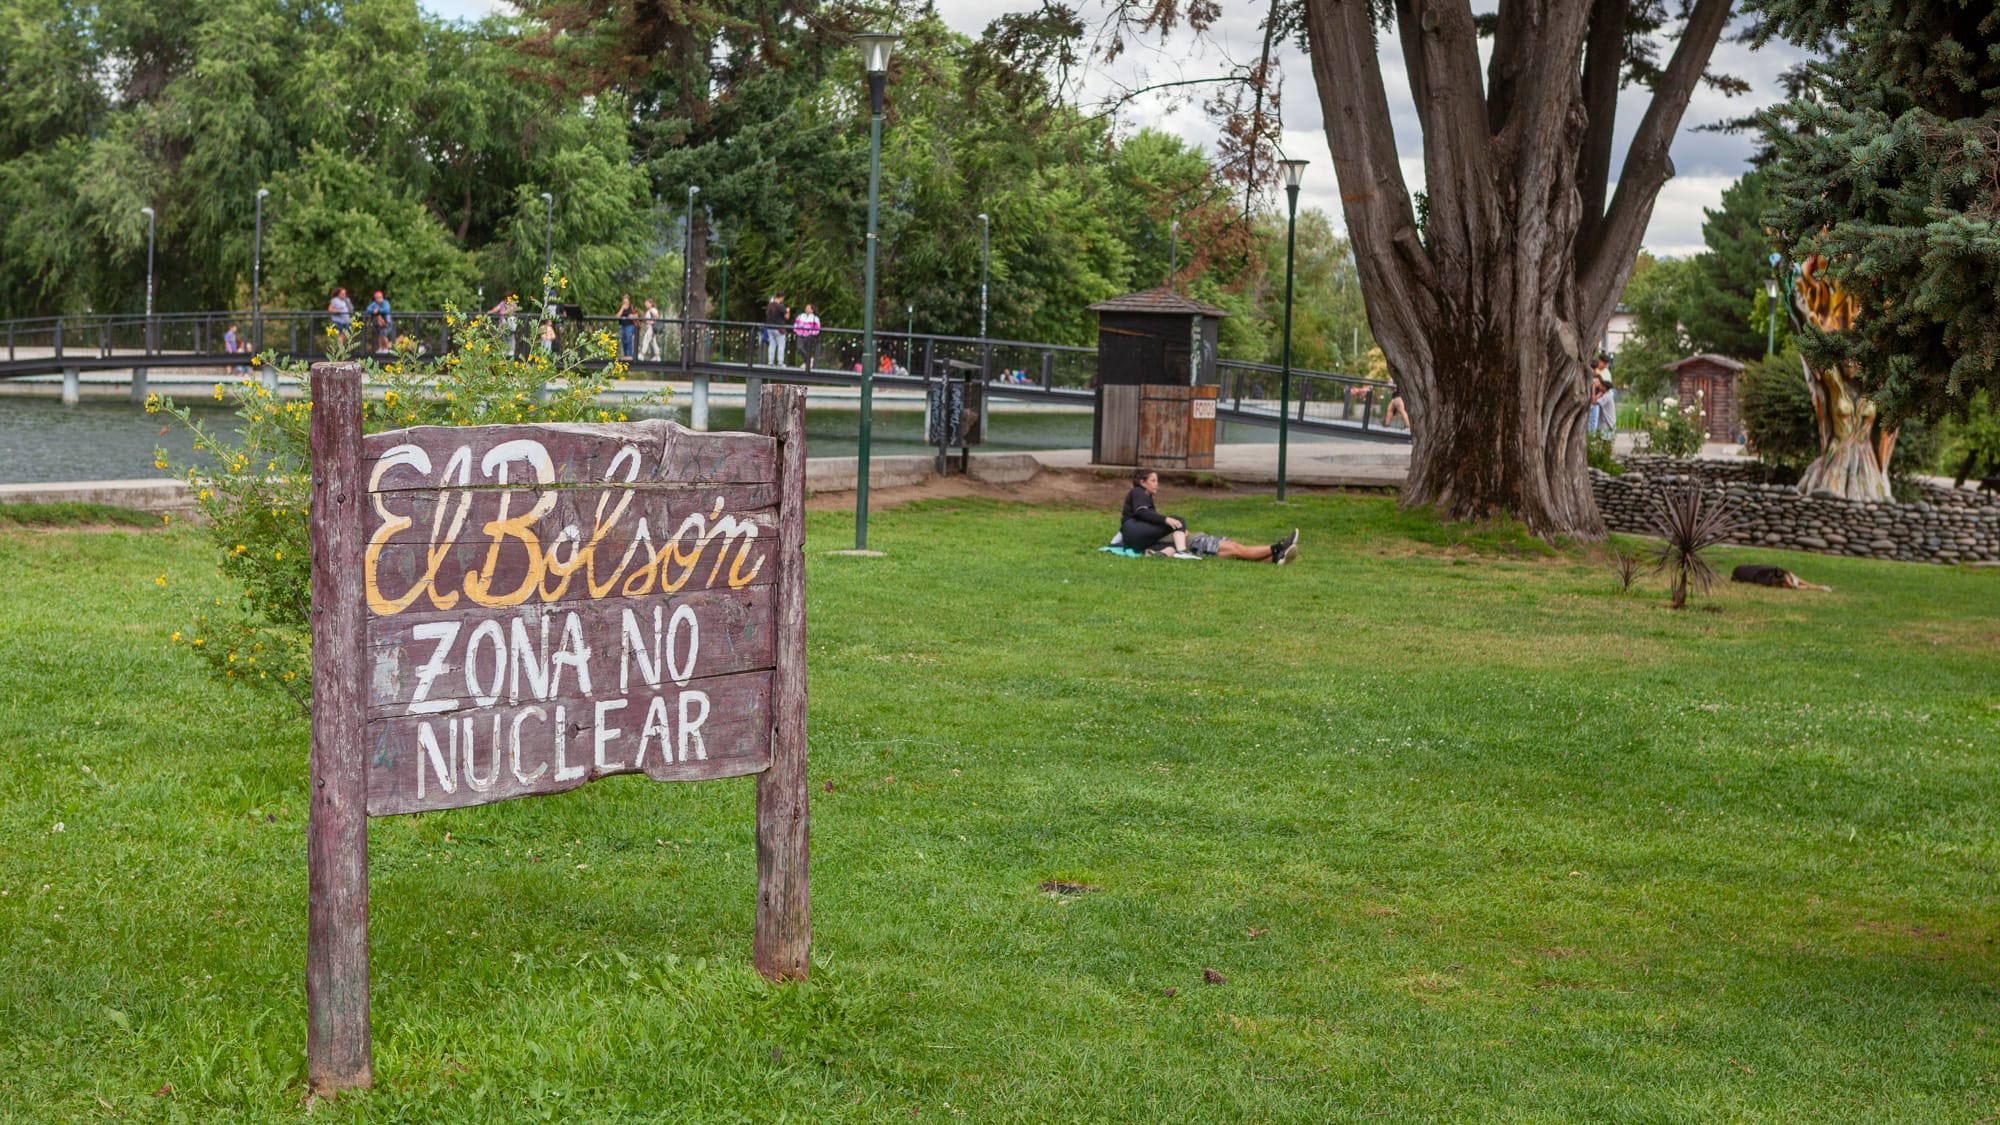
1139, 506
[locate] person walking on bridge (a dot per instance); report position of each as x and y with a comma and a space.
776, 315
628, 327
381, 323
806, 328
341, 311
503, 315
649, 327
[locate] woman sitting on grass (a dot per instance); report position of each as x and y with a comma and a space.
1141, 527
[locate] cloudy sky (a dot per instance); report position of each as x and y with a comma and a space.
1705, 162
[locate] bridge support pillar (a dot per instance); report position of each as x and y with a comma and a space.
698, 409
271, 379
72, 386
139, 384
752, 393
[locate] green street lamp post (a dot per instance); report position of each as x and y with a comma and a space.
875, 48
152, 337
1294, 170
257, 276
548, 247
1771, 315
687, 280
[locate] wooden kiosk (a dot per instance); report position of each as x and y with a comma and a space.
1709, 382
1156, 381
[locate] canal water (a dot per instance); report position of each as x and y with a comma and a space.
43, 441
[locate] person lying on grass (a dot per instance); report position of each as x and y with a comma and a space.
1143, 528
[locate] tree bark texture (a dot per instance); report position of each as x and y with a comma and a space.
337, 1035
1854, 451
782, 944
1489, 313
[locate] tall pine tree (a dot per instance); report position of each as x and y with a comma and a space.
1888, 167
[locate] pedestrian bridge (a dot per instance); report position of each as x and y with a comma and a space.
701, 351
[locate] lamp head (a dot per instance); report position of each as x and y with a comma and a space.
547, 198
875, 49
1294, 171
262, 192
146, 211
983, 218
1771, 288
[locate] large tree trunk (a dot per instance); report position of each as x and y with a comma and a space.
1854, 453
1499, 426
1486, 315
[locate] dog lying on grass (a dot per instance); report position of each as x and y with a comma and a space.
1773, 576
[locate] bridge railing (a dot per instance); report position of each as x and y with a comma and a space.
1253, 388
1249, 389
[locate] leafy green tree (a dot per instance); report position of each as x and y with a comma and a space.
1658, 296
338, 224
1329, 320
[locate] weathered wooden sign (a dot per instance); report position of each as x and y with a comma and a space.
512, 611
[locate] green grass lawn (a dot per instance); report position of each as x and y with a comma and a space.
1467, 834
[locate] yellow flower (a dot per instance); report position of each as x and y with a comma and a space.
166, 517
218, 392
160, 581
281, 556
197, 642
158, 463
176, 636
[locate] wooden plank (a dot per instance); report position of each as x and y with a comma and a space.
337, 1038
645, 452
1201, 428
712, 728
430, 663
1120, 420
1163, 427
494, 548
782, 945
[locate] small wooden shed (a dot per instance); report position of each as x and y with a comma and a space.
1710, 381
1147, 342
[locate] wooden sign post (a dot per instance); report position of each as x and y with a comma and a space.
512, 611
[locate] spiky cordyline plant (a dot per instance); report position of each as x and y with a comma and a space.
1628, 569
1689, 523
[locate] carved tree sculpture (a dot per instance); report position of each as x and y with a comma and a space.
1854, 450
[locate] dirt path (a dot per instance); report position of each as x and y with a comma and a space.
1068, 488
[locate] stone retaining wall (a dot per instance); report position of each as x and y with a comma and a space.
1945, 526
